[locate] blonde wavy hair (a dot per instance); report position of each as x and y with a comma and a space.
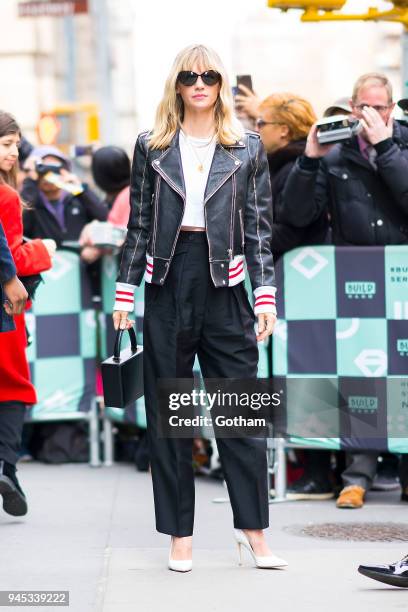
290, 110
170, 111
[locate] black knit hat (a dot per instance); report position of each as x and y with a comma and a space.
111, 169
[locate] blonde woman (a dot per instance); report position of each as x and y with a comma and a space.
200, 207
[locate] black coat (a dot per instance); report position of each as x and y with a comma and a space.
237, 207
39, 222
285, 235
366, 206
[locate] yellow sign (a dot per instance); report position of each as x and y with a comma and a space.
323, 5
328, 10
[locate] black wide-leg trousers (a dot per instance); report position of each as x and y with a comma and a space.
185, 317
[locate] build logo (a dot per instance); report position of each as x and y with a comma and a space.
402, 347
362, 403
360, 289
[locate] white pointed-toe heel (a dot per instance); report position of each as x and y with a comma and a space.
269, 562
182, 565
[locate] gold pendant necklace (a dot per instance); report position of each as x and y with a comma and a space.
201, 162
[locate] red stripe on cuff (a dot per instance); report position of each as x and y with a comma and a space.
124, 293
264, 302
123, 300
236, 273
265, 295
241, 263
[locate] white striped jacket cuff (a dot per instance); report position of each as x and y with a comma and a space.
124, 297
265, 300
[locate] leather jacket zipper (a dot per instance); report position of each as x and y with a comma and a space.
209, 246
242, 227
156, 212
232, 219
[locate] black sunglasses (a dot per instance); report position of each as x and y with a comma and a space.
189, 78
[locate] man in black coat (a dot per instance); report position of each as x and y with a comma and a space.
52, 212
363, 185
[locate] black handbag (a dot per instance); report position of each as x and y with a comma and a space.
122, 374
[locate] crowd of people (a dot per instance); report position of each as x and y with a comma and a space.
353, 193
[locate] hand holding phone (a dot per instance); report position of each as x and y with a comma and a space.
246, 100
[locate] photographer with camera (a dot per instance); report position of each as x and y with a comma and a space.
363, 184
59, 205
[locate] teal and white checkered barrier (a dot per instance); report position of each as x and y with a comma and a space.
340, 348
63, 354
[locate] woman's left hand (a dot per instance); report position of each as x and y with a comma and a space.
266, 323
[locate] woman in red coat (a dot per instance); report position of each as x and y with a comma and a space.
16, 390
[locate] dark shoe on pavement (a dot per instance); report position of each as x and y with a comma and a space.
307, 488
395, 574
386, 482
14, 500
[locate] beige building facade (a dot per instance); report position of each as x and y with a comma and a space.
121, 64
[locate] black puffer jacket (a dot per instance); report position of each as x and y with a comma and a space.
366, 206
285, 235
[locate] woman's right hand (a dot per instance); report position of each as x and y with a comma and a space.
121, 320
50, 245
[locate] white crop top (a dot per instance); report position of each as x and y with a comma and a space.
194, 179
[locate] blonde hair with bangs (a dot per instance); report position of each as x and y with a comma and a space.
170, 112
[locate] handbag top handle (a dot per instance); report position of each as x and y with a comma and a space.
133, 342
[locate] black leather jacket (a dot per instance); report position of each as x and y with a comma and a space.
237, 206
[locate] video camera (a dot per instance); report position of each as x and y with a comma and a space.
51, 172
41, 168
337, 128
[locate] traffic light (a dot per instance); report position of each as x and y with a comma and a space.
317, 5
70, 123
48, 128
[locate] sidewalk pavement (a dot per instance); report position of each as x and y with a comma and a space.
91, 531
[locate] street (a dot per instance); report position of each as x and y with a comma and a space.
91, 531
